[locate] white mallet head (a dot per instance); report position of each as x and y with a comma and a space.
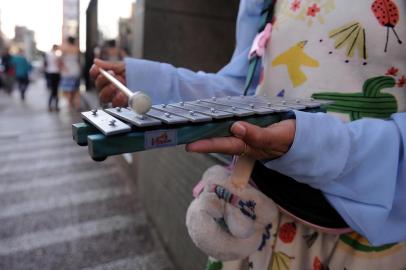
139, 102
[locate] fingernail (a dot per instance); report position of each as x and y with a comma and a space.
238, 130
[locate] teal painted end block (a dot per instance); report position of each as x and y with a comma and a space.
101, 146
80, 131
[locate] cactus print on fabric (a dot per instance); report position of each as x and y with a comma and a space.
371, 102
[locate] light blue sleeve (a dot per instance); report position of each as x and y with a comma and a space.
165, 84
360, 167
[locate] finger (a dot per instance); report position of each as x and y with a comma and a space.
253, 135
94, 71
101, 82
223, 145
120, 78
117, 67
120, 100
107, 93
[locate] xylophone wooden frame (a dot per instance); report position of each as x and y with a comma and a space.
101, 146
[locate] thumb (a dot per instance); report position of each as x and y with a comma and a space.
277, 137
253, 135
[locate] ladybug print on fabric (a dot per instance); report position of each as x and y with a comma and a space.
387, 14
317, 265
287, 232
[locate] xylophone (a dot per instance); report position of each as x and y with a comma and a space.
116, 131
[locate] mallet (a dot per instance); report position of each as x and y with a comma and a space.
138, 101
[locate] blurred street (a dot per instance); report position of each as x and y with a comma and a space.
60, 209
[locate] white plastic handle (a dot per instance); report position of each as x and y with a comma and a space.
241, 173
137, 101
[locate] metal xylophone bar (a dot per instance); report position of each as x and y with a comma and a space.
120, 130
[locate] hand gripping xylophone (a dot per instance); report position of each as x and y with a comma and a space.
142, 126
119, 130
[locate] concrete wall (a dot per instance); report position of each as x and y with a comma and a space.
196, 34
165, 179
199, 35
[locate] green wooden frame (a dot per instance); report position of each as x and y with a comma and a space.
101, 146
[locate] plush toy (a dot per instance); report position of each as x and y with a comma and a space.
227, 221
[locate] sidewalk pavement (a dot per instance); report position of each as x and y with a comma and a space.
59, 209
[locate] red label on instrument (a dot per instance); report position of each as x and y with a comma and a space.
160, 138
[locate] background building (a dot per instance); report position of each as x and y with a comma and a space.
138, 13
2, 42
125, 35
70, 19
131, 30
24, 39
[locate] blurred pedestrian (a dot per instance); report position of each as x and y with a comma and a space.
8, 71
70, 73
53, 76
110, 51
22, 70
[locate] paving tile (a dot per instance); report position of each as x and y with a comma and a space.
60, 209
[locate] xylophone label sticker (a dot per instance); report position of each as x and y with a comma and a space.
160, 138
